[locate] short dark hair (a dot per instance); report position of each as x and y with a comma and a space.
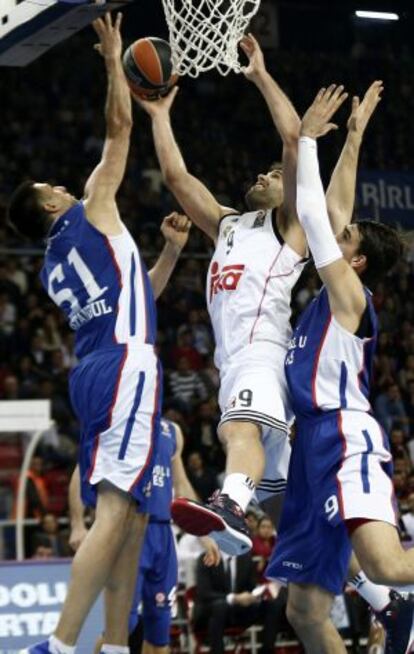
383, 247
25, 214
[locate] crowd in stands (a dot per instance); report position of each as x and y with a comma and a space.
226, 138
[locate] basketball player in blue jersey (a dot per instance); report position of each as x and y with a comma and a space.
340, 494
157, 572
93, 271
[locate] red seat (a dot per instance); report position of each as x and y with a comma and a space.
11, 455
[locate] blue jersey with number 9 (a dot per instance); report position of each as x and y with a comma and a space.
100, 282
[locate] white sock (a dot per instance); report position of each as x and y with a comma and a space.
114, 649
57, 647
377, 596
240, 488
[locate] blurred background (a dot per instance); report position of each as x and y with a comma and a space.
52, 129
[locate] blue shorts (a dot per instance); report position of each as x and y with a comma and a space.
156, 584
116, 394
339, 470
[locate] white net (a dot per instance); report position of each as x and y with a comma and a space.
204, 34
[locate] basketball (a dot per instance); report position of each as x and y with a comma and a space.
148, 68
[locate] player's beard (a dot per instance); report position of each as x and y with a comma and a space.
256, 199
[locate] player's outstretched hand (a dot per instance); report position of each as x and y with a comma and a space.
316, 121
362, 111
175, 229
77, 535
110, 40
212, 556
157, 107
253, 52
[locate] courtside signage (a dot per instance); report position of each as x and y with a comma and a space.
31, 598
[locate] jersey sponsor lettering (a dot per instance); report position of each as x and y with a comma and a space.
249, 285
226, 279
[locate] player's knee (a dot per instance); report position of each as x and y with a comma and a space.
300, 619
304, 615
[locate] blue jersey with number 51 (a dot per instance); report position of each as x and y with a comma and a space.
100, 282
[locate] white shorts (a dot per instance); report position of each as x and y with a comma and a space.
253, 389
116, 395
365, 485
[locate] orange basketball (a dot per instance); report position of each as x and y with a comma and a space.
148, 68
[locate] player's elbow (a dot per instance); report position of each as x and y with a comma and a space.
173, 177
119, 126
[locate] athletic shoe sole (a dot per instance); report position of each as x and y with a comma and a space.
199, 520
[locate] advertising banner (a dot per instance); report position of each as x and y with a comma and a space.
385, 196
31, 598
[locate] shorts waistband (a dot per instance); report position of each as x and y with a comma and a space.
155, 521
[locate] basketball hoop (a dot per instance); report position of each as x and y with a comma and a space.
204, 34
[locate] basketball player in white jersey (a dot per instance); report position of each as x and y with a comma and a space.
340, 493
258, 258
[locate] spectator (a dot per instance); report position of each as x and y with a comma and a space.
49, 529
200, 332
224, 599
252, 520
8, 314
184, 349
43, 549
186, 384
37, 496
11, 389
202, 479
263, 544
408, 518
390, 411
406, 374
204, 437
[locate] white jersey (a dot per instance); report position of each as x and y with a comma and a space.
249, 284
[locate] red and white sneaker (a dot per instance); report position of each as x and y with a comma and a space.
221, 518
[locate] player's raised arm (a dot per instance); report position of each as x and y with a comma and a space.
175, 229
195, 199
284, 115
340, 196
346, 294
103, 184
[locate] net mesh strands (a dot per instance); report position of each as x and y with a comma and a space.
204, 34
